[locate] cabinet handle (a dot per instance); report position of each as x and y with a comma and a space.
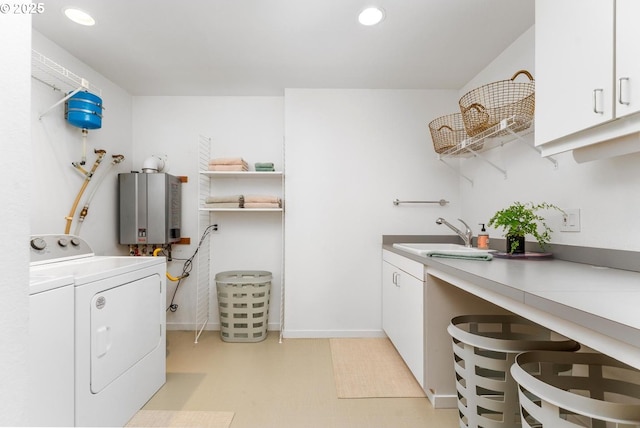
626, 79
396, 277
595, 101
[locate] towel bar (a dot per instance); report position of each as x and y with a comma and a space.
442, 202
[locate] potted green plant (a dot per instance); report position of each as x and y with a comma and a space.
519, 220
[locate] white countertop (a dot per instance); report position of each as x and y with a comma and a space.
608, 293
604, 300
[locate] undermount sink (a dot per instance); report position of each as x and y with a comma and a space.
423, 249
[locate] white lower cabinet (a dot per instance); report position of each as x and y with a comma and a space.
417, 307
403, 309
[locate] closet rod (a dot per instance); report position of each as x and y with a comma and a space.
442, 202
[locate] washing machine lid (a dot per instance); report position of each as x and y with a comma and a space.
97, 268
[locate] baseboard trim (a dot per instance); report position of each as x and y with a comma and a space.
442, 401
291, 334
210, 326
327, 334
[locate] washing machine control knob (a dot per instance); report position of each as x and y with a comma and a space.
38, 244
75, 242
63, 242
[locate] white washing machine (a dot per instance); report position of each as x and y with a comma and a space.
51, 351
120, 326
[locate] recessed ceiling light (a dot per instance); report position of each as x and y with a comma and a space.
79, 17
371, 16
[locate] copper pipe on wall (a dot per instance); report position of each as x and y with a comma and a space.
116, 159
88, 176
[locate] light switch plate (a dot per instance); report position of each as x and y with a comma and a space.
570, 220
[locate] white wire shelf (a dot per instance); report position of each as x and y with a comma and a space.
242, 174
246, 210
506, 131
58, 78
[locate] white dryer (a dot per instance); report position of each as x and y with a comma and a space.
120, 326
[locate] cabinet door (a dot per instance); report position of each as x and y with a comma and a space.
574, 57
627, 57
402, 316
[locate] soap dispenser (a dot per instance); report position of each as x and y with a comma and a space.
483, 238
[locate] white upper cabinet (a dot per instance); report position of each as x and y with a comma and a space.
587, 72
574, 66
627, 57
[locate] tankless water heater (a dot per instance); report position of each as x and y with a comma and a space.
150, 208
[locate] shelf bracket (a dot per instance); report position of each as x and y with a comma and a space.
457, 170
537, 150
478, 155
69, 95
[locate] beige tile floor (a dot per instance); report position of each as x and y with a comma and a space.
277, 385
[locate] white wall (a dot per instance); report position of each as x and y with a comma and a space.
349, 154
247, 127
607, 192
56, 144
15, 31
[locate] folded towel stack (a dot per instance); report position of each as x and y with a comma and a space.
258, 201
228, 164
264, 166
232, 201
241, 201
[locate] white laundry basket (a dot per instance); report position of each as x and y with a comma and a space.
569, 390
243, 303
485, 347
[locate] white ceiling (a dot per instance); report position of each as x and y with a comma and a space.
260, 47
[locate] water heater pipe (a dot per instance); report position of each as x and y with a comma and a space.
83, 160
85, 209
153, 164
169, 276
88, 176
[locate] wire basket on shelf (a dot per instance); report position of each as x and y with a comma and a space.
449, 135
486, 106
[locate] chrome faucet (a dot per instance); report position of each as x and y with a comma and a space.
466, 236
